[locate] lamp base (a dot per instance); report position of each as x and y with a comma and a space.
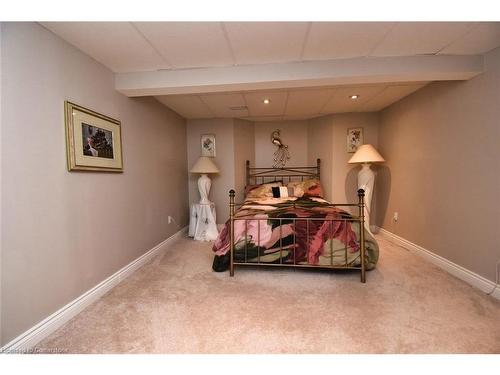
366, 179
204, 185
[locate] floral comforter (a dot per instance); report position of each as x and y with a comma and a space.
318, 243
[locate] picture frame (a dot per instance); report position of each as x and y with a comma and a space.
93, 140
354, 139
208, 145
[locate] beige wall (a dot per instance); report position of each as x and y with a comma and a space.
293, 134
344, 175
239, 140
62, 232
224, 159
442, 146
234, 144
319, 145
327, 141
244, 149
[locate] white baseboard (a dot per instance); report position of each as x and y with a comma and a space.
27, 340
462, 273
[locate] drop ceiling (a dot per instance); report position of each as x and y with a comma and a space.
146, 46
294, 104
135, 47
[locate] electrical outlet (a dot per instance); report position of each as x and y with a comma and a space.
395, 217
170, 219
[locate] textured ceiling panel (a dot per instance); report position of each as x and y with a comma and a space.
117, 45
188, 106
188, 44
388, 96
418, 38
266, 42
341, 101
221, 104
257, 107
481, 39
334, 40
307, 101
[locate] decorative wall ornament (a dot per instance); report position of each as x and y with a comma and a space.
93, 140
354, 139
281, 155
208, 145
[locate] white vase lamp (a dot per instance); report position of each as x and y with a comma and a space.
365, 155
204, 165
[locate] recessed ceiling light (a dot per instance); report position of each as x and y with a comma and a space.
266, 101
354, 97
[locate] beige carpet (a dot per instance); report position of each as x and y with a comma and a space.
176, 304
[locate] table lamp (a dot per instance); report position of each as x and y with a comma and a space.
204, 165
365, 155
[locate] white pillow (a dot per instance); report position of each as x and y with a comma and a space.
283, 192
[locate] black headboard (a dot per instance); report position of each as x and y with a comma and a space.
256, 176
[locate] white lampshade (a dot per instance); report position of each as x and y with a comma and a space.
204, 165
366, 154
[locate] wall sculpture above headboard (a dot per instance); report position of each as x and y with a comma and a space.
281, 155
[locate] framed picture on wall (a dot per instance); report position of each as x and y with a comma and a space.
93, 140
208, 145
354, 139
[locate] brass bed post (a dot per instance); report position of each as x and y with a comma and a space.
361, 196
231, 228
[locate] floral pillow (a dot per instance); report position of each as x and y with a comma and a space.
261, 190
306, 188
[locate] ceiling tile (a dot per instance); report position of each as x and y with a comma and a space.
117, 45
266, 42
390, 95
188, 44
481, 39
417, 38
333, 40
188, 106
308, 101
341, 102
220, 104
257, 107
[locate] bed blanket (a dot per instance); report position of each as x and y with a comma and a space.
271, 225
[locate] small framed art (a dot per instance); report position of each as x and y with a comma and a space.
93, 140
208, 145
354, 139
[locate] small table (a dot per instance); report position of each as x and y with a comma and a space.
203, 222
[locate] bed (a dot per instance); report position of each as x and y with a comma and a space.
300, 230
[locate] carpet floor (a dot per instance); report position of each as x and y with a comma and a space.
176, 304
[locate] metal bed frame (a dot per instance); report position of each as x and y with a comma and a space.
290, 174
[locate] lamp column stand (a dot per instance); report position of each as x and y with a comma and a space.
204, 185
366, 179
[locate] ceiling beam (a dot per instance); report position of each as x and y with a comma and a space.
355, 71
